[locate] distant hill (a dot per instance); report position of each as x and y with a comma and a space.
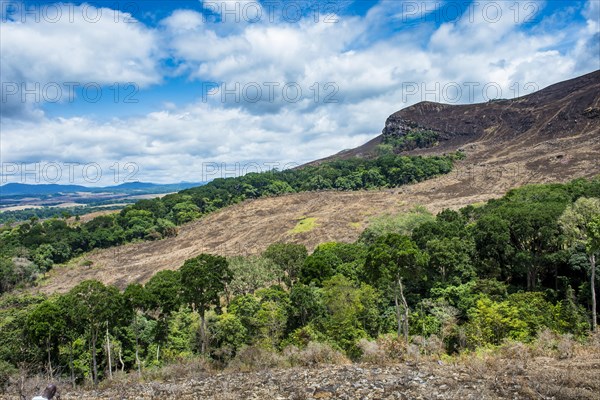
24, 189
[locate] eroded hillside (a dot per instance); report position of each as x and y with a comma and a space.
560, 142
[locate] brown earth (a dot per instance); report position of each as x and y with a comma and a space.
518, 376
549, 136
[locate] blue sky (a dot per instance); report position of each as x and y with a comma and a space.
179, 87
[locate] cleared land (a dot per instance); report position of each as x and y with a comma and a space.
249, 227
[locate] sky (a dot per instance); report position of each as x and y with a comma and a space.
105, 92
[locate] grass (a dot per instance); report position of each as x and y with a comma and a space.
355, 225
304, 225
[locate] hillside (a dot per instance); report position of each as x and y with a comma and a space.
549, 136
566, 110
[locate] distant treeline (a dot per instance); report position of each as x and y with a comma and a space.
34, 247
11, 217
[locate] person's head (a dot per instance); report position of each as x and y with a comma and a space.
50, 391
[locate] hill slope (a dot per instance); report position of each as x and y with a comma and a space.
549, 136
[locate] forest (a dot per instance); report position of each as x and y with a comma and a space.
454, 282
31, 248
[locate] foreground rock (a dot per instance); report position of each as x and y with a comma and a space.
530, 378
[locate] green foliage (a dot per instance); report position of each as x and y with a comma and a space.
392, 258
414, 139
228, 334
252, 273
288, 257
459, 278
403, 224
203, 280
304, 225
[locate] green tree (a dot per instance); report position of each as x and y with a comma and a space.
138, 299
203, 279
164, 298
228, 334
99, 307
391, 260
251, 273
307, 304
451, 258
45, 326
289, 257
580, 223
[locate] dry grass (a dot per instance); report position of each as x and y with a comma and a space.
512, 371
489, 171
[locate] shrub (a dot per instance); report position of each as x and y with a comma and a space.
253, 358
371, 351
6, 371
315, 353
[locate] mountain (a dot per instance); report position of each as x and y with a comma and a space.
549, 136
24, 189
12, 189
566, 110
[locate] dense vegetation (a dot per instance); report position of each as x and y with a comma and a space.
33, 247
12, 217
463, 279
414, 139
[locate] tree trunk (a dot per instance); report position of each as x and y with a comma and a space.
49, 360
405, 304
109, 355
94, 362
137, 346
593, 287
121, 360
398, 314
202, 332
532, 279
71, 363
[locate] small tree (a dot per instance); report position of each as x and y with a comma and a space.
137, 299
164, 298
45, 326
204, 279
289, 257
97, 306
392, 259
580, 223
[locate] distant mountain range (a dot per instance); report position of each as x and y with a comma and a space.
24, 189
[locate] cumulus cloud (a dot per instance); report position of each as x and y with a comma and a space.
68, 44
352, 73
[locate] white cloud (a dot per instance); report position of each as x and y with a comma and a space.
374, 73
75, 44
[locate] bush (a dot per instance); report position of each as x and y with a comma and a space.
315, 353
256, 358
6, 371
371, 351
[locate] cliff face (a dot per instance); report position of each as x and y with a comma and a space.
564, 109
567, 109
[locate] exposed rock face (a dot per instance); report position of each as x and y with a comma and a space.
398, 126
565, 110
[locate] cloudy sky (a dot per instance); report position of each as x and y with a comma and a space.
106, 91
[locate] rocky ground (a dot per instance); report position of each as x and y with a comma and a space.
474, 378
